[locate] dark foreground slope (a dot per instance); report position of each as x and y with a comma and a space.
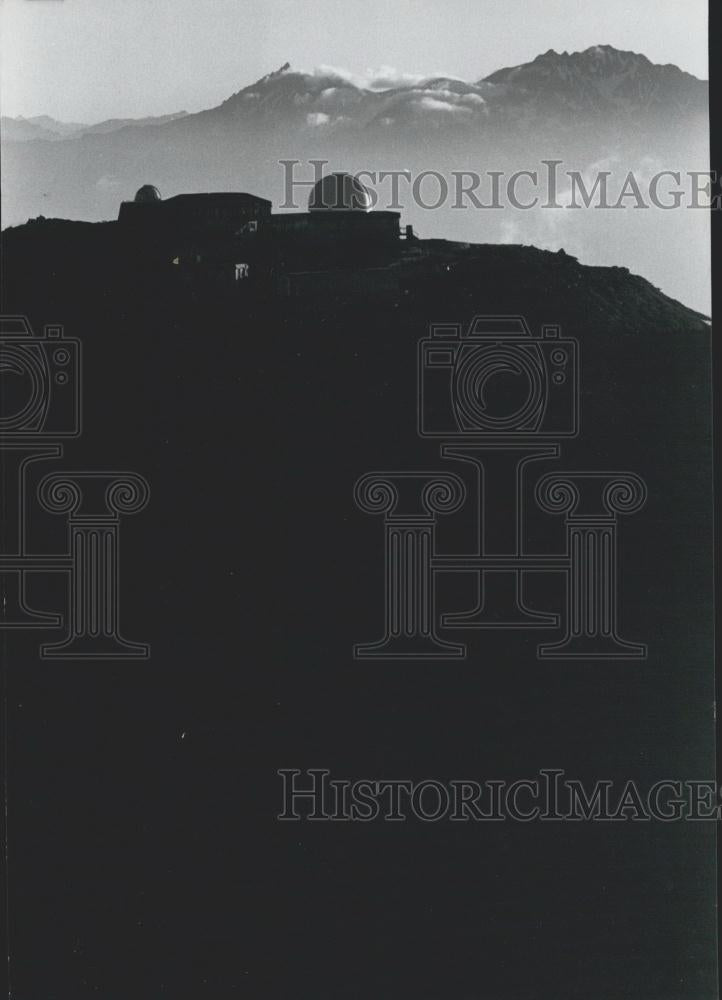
74, 265
146, 852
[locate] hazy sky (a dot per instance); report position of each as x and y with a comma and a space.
85, 60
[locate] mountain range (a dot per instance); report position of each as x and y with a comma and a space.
44, 127
598, 81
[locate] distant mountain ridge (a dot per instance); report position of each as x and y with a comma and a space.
599, 81
604, 78
595, 83
44, 127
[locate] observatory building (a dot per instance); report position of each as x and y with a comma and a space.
340, 211
236, 234
218, 212
340, 192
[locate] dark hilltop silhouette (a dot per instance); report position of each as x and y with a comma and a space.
232, 248
252, 364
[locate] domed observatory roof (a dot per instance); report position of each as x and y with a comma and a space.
339, 192
147, 193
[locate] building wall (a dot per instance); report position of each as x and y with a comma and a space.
335, 225
328, 252
198, 212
